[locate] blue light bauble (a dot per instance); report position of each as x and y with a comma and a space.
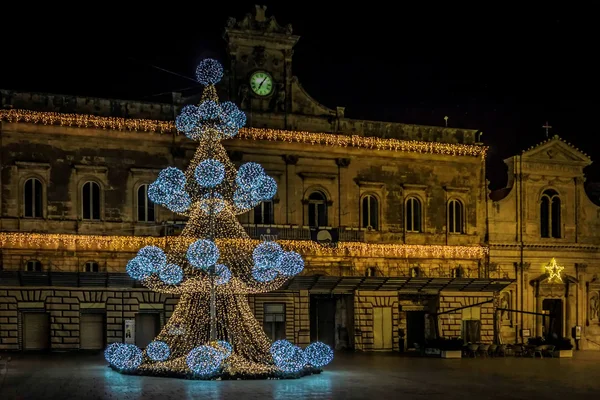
204, 360
208, 110
245, 199
209, 72
139, 268
171, 274
267, 189
250, 176
172, 178
126, 357
157, 257
318, 354
109, 351
291, 264
158, 351
267, 255
156, 195
203, 253
179, 202
279, 346
209, 173
187, 121
222, 274
225, 348
212, 205
263, 275
232, 115
288, 358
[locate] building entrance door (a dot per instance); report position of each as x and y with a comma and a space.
415, 329
147, 326
322, 319
382, 328
553, 326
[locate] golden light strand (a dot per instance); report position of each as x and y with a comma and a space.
274, 135
52, 241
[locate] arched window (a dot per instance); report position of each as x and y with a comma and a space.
92, 266
145, 205
32, 198
455, 216
415, 272
371, 271
550, 214
34, 266
90, 201
317, 209
413, 215
263, 213
370, 212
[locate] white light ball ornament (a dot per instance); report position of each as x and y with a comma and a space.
203, 254
139, 268
250, 176
158, 351
171, 274
209, 173
267, 255
222, 274
291, 264
318, 354
155, 256
204, 360
209, 72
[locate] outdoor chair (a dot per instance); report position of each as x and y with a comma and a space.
483, 349
472, 350
539, 350
492, 350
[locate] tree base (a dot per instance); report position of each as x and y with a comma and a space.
224, 374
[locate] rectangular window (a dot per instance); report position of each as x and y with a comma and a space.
274, 320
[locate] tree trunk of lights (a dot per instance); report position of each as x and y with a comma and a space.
213, 312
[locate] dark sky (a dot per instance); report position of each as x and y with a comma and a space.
500, 68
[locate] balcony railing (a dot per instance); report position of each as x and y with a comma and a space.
295, 232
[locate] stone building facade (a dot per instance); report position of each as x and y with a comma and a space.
402, 239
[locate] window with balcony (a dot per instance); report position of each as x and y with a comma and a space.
145, 206
91, 266
32, 198
263, 213
33, 266
90, 201
317, 209
370, 212
455, 216
413, 215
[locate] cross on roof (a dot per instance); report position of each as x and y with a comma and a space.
546, 126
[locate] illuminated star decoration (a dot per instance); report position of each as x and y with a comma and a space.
554, 271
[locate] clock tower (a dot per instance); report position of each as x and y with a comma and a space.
260, 71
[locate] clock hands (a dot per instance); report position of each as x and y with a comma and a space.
261, 82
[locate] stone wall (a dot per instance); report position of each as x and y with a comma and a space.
64, 306
450, 324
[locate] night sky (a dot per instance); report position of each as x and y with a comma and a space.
503, 71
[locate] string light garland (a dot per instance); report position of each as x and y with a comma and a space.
273, 135
53, 241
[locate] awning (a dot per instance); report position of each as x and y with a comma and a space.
348, 284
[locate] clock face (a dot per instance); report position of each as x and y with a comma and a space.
261, 83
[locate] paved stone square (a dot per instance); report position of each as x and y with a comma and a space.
377, 376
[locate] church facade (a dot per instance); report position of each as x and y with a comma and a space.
401, 237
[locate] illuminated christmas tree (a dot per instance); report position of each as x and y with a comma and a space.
213, 265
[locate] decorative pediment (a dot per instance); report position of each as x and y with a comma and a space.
556, 150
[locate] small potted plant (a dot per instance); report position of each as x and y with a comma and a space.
563, 348
451, 347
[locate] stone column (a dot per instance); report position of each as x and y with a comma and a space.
539, 322
293, 192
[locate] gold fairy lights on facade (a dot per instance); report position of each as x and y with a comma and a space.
52, 241
274, 135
